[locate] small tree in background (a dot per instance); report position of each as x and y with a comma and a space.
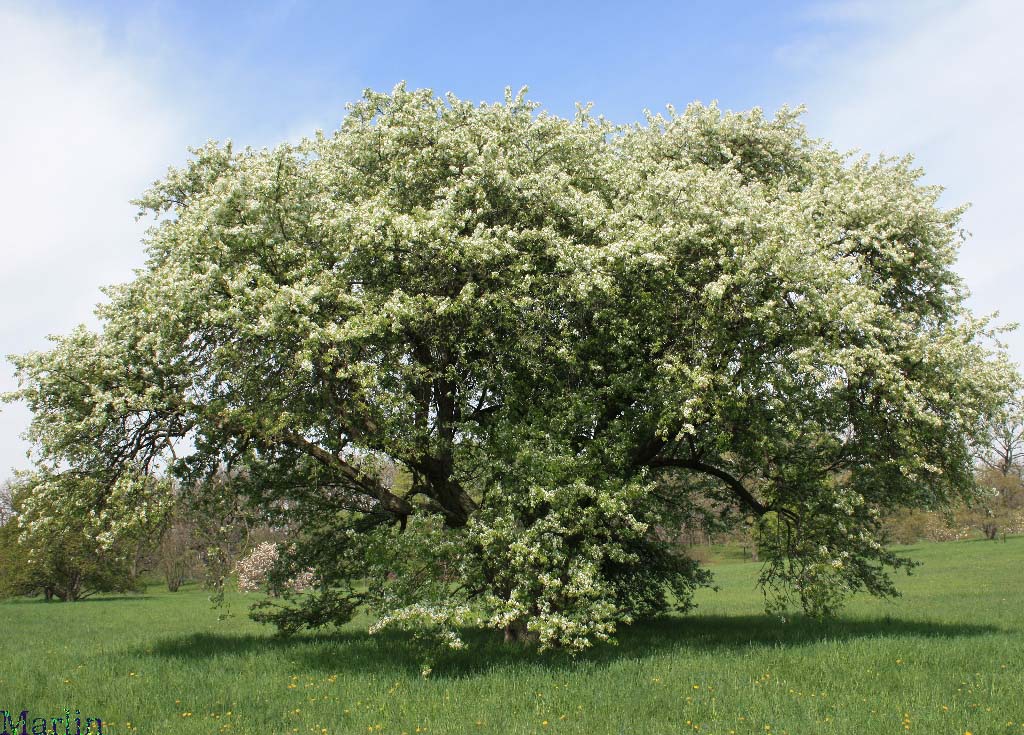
176, 557
254, 571
999, 509
211, 525
908, 525
74, 539
1005, 452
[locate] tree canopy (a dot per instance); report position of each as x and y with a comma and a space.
572, 337
75, 536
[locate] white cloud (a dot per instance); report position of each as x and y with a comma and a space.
85, 130
940, 80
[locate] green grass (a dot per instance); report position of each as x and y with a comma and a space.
948, 657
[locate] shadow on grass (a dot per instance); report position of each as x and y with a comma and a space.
389, 652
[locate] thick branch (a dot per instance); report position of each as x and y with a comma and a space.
388, 500
731, 482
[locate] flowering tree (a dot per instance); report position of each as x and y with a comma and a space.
6, 502
568, 334
254, 569
76, 536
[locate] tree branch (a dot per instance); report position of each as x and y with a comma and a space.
731, 482
388, 500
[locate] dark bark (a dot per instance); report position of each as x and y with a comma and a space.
516, 632
389, 502
737, 488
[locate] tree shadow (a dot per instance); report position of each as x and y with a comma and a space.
393, 652
129, 597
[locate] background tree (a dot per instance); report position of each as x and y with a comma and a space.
998, 506
211, 523
17, 576
176, 556
569, 334
75, 538
999, 509
6, 502
1005, 451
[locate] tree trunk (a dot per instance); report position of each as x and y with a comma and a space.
516, 632
73, 590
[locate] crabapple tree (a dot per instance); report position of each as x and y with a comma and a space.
570, 337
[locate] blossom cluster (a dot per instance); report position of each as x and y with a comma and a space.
253, 570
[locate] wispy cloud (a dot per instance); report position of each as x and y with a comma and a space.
84, 130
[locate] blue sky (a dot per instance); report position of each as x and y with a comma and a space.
255, 70
98, 98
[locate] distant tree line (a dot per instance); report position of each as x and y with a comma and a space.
998, 509
57, 554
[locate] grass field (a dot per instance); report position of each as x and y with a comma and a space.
948, 657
